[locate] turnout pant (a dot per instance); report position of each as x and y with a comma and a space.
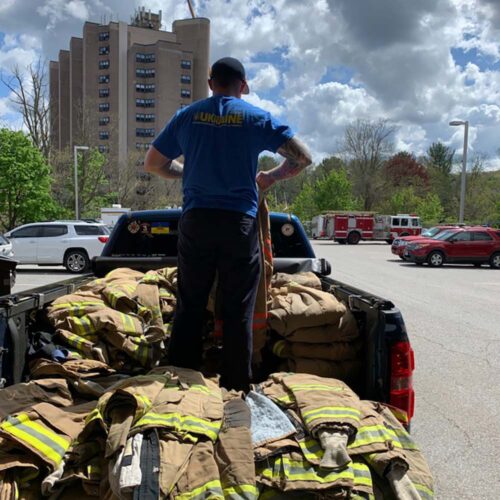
224, 242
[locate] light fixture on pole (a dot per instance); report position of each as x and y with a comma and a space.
75, 159
458, 123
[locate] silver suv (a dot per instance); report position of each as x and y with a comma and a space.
70, 243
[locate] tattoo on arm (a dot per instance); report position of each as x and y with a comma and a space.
297, 158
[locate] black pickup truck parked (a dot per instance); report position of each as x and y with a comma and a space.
148, 240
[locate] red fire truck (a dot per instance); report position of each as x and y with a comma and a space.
352, 227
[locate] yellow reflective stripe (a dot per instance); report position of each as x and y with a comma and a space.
302, 470
424, 492
41, 438
128, 323
331, 412
241, 491
144, 400
362, 475
279, 347
401, 437
77, 341
401, 415
211, 490
84, 326
182, 423
287, 399
371, 434
311, 449
93, 415
140, 349
314, 387
74, 304
94, 472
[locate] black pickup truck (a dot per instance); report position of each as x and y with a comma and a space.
148, 240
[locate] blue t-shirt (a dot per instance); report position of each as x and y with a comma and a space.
221, 138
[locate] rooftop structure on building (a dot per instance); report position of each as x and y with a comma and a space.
117, 85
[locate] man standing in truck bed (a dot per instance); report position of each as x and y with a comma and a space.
221, 138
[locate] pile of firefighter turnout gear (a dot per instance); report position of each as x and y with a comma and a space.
312, 330
173, 433
104, 416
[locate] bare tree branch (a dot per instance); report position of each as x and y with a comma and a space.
30, 96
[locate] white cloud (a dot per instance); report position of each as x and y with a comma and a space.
270, 106
267, 77
397, 54
78, 9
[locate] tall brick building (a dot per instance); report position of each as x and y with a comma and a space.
121, 82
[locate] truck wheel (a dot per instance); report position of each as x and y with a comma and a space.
389, 241
76, 261
495, 261
404, 234
435, 259
353, 238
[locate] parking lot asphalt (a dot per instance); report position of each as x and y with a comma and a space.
28, 277
452, 315
453, 319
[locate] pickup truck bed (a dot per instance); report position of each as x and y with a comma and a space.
387, 354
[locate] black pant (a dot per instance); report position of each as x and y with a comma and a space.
225, 242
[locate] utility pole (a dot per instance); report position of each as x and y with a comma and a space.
457, 123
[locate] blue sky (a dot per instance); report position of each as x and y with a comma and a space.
321, 65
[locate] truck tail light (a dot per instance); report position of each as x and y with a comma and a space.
402, 394
323, 233
103, 239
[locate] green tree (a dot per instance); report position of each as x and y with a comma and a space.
304, 205
334, 192
402, 200
25, 190
439, 162
325, 167
430, 209
94, 187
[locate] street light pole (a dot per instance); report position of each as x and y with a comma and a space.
457, 123
75, 159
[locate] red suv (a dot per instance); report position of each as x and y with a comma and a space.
399, 244
470, 245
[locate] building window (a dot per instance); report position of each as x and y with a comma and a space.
185, 93
104, 50
185, 64
145, 132
104, 136
103, 120
185, 79
103, 149
104, 106
183, 105
103, 36
145, 58
103, 92
145, 103
103, 78
142, 146
104, 64
145, 87
145, 73
141, 117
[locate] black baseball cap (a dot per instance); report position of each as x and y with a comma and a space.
229, 67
